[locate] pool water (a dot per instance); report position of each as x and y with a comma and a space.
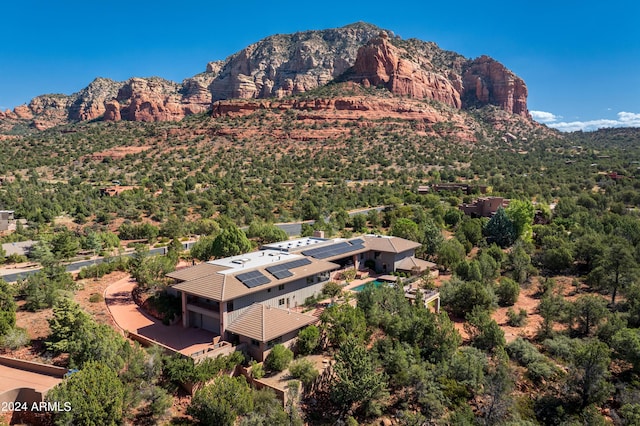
361, 287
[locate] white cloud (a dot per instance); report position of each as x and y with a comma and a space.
625, 119
543, 116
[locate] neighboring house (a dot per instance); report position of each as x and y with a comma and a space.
248, 298
21, 248
484, 207
6, 217
261, 327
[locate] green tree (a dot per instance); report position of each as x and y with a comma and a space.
308, 340
626, 344
65, 245
279, 358
520, 262
500, 229
588, 311
507, 291
203, 248
231, 241
616, 267
485, 333
450, 253
7, 308
405, 228
304, 370
94, 394
356, 379
589, 372
432, 237
267, 410
521, 213
343, 322
462, 296
222, 401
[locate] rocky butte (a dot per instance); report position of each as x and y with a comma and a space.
281, 66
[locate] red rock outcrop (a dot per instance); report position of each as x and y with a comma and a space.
380, 63
487, 81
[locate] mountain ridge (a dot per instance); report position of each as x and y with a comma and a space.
284, 65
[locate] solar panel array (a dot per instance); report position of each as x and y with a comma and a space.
283, 270
335, 249
253, 279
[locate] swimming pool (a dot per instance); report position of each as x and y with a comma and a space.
376, 283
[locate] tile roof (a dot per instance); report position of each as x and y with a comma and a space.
408, 263
389, 244
221, 287
197, 271
264, 323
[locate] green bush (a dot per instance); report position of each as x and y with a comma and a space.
304, 370
508, 291
15, 338
95, 298
516, 319
257, 370
308, 340
279, 358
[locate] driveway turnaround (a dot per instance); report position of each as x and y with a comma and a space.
132, 318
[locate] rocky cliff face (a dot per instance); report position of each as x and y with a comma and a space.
285, 65
380, 63
487, 81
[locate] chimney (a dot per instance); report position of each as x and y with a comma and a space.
318, 234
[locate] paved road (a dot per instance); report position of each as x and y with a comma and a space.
76, 266
291, 228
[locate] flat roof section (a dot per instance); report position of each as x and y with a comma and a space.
252, 260
17, 378
297, 244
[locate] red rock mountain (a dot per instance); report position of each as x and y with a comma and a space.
285, 65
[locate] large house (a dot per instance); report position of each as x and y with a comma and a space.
249, 298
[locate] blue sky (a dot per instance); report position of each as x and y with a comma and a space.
579, 59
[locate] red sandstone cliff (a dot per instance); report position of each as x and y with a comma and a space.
285, 65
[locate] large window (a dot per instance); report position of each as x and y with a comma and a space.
281, 302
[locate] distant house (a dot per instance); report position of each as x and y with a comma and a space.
6, 217
21, 248
251, 298
484, 207
464, 187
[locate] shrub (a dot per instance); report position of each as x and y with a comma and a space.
257, 370
516, 319
95, 298
279, 358
15, 338
539, 367
308, 340
304, 370
507, 292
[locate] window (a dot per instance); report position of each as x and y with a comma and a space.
281, 302
268, 290
254, 342
309, 280
230, 306
272, 343
281, 287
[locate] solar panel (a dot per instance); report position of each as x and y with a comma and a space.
253, 279
333, 250
282, 270
357, 242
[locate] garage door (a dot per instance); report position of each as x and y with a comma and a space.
210, 324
